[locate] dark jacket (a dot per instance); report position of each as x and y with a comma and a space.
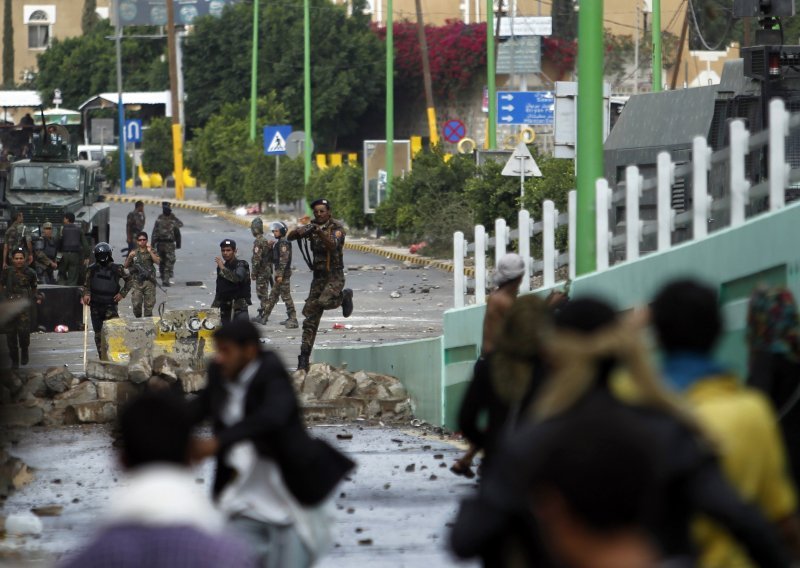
311, 468
499, 519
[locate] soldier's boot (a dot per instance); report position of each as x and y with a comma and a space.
260, 319
165, 283
25, 358
347, 302
291, 323
13, 354
302, 362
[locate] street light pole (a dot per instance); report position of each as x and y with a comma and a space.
389, 96
656, 46
307, 87
120, 107
590, 129
177, 137
490, 75
254, 74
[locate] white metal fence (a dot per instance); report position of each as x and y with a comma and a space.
726, 188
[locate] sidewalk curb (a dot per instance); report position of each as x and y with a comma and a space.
228, 216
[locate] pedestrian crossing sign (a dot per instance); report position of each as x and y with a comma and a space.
275, 139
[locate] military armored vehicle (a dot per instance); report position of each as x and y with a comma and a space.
50, 183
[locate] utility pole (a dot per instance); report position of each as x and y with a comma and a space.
657, 60
426, 74
636, 54
681, 42
590, 129
120, 107
254, 74
389, 96
307, 88
490, 75
177, 137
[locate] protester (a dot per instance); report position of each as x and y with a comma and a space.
773, 340
739, 420
589, 345
504, 385
272, 478
159, 517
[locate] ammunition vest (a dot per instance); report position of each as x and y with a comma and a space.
104, 284
71, 238
227, 290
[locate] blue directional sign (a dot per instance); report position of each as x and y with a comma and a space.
275, 139
133, 130
525, 107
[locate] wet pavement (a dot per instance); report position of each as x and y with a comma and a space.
402, 511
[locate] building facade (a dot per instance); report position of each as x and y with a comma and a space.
37, 23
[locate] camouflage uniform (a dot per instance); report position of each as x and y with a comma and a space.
43, 260
19, 284
133, 226
102, 307
15, 238
262, 268
233, 290
165, 235
143, 273
282, 260
74, 250
328, 281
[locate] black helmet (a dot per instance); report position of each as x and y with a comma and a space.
278, 226
257, 226
102, 253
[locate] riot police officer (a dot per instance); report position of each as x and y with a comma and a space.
102, 290
281, 258
261, 264
233, 283
46, 251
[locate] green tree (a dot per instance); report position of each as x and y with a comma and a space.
343, 186
222, 153
346, 60
157, 145
565, 20
93, 55
558, 179
89, 17
111, 167
8, 45
492, 195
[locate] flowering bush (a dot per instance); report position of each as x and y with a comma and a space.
457, 51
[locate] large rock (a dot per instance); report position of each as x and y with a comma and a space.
34, 387
58, 379
166, 367
106, 370
339, 385
392, 384
371, 390
84, 392
192, 381
95, 412
140, 365
120, 393
316, 381
21, 415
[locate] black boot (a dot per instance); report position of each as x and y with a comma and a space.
347, 302
302, 362
25, 356
14, 356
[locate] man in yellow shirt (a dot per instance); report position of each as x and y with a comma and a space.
739, 420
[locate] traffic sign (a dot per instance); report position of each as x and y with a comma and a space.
295, 143
454, 130
521, 164
520, 55
275, 139
525, 107
526, 26
133, 130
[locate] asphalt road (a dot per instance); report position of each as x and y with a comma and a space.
377, 317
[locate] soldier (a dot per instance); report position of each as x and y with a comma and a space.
134, 225
282, 262
141, 263
167, 237
233, 283
74, 251
45, 257
18, 282
261, 265
326, 237
16, 238
102, 291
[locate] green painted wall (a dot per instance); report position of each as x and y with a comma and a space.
418, 364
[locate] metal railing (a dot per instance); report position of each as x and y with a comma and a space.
727, 187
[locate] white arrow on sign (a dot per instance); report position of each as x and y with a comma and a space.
521, 164
508, 108
507, 97
507, 118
